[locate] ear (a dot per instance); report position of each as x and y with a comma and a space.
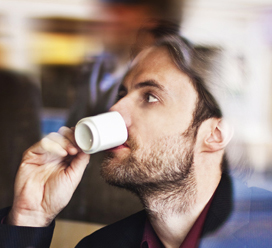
218, 135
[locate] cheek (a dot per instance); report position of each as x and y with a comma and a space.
154, 129
146, 129
158, 123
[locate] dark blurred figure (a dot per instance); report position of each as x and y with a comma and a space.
20, 105
100, 76
96, 91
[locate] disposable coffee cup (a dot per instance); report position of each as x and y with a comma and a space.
101, 132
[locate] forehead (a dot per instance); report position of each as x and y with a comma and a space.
155, 64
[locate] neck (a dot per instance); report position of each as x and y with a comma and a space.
173, 209
170, 198
168, 211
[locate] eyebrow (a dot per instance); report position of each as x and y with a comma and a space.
150, 83
147, 83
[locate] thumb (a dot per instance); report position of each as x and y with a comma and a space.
77, 167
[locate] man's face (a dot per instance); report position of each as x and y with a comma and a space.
157, 102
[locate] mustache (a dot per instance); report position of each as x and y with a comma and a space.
132, 143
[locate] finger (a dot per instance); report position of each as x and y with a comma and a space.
44, 151
64, 142
77, 167
52, 143
69, 134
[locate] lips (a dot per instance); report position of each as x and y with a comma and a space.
125, 144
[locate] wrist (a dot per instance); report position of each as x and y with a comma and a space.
27, 218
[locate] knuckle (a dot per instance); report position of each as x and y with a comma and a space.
26, 152
53, 134
52, 137
63, 129
45, 142
26, 155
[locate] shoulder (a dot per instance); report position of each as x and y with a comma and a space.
255, 201
255, 212
261, 206
124, 233
261, 194
259, 200
239, 216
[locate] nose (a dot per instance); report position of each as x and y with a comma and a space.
124, 108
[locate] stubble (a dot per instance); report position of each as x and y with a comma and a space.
161, 175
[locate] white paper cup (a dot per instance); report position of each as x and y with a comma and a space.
101, 132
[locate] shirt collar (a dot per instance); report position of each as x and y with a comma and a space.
151, 240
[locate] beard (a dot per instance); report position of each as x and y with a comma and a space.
161, 175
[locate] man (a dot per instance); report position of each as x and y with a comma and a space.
173, 160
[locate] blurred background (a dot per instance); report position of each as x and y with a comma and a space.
63, 60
